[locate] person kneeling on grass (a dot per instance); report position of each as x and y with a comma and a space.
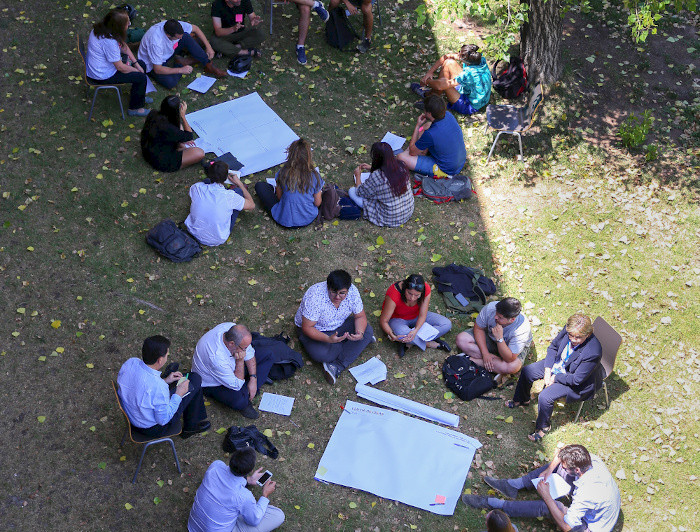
595, 498
223, 502
296, 197
464, 78
215, 208
405, 310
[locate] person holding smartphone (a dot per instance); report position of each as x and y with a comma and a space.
223, 502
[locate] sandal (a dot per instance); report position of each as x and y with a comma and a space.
513, 404
535, 436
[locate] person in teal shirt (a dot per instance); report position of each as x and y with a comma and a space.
464, 78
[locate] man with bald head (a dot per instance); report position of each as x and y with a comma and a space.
231, 372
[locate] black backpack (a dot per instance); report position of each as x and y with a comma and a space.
339, 33
238, 438
455, 279
456, 188
172, 242
286, 360
467, 380
511, 81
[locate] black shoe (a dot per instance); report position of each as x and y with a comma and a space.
250, 412
364, 46
418, 91
475, 501
420, 105
502, 486
330, 372
202, 426
402, 349
443, 345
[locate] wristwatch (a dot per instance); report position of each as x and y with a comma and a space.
251, 376
500, 340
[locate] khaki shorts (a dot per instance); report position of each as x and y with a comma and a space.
493, 347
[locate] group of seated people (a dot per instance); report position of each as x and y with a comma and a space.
333, 329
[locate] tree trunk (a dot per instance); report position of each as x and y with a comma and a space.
540, 41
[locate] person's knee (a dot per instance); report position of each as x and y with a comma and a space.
464, 338
198, 154
304, 10
514, 367
277, 516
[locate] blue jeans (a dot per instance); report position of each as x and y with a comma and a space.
535, 508
352, 192
424, 165
186, 44
462, 106
403, 327
137, 97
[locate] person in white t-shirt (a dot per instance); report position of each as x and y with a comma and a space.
162, 47
214, 208
332, 324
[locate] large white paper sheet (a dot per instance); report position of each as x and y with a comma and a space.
248, 128
398, 457
277, 404
401, 403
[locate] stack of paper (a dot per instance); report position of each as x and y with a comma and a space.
372, 371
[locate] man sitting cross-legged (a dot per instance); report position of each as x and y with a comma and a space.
595, 498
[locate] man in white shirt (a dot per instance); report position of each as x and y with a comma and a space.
154, 404
162, 47
222, 502
595, 501
222, 357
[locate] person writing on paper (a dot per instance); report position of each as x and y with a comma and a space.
232, 372
166, 137
568, 370
386, 198
595, 498
223, 501
437, 144
405, 310
215, 208
162, 47
104, 65
295, 199
499, 339
332, 324
154, 405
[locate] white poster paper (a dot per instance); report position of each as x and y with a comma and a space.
398, 457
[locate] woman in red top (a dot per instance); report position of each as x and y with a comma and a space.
405, 310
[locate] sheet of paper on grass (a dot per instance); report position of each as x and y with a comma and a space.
248, 128
201, 84
277, 404
372, 371
401, 403
394, 141
398, 457
558, 487
238, 74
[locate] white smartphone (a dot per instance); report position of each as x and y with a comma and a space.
264, 478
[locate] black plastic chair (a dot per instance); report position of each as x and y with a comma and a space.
136, 437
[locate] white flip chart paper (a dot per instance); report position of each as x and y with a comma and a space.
398, 457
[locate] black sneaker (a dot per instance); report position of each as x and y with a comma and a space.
250, 412
202, 426
364, 46
321, 11
418, 91
330, 372
402, 349
420, 105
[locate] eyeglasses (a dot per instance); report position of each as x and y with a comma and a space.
339, 293
416, 286
577, 336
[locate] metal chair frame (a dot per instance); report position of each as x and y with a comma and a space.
97, 88
141, 439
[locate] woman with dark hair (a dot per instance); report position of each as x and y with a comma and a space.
405, 310
386, 198
224, 502
215, 208
332, 324
166, 137
296, 197
498, 521
103, 61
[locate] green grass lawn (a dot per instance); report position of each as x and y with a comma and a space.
581, 225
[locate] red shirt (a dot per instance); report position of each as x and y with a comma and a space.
402, 310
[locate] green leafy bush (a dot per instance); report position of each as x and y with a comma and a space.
634, 130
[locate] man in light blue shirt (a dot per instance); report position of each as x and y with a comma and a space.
595, 497
154, 404
223, 504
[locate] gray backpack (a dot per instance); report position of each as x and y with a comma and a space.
444, 190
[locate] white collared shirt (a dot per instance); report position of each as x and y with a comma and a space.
156, 47
209, 220
596, 499
213, 361
316, 305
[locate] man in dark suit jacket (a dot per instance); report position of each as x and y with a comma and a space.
568, 370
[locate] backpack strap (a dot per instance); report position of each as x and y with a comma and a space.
261, 442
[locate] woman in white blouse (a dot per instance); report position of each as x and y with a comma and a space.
332, 324
104, 65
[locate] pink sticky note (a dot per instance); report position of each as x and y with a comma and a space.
239, 18
440, 499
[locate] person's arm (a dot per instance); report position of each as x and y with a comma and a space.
252, 511
387, 312
504, 350
360, 326
203, 39
437, 66
249, 204
252, 366
350, 7
357, 174
254, 19
421, 125
165, 70
130, 54
591, 356
219, 31
318, 198
422, 313
552, 506
552, 354
165, 405
122, 67
278, 193
307, 327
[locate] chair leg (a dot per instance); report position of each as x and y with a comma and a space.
138, 468
579, 411
126, 431
520, 143
94, 97
272, 6
177, 462
607, 400
379, 13
119, 99
493, 146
